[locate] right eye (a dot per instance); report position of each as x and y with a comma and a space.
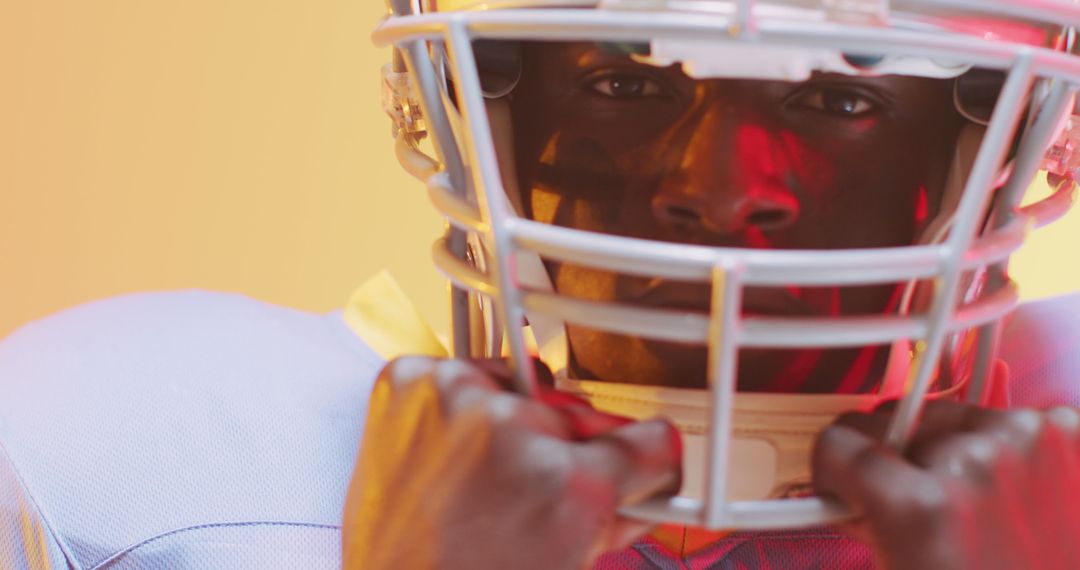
626, 85
838, 102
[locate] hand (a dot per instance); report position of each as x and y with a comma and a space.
977, 488
455, 471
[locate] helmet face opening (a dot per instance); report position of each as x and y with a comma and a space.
747, 224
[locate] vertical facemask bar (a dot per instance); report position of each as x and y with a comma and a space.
446, 149
1031, 153
744, 18
410, 57
1029, 159
988, 161
488, 184
986, 348
723, 365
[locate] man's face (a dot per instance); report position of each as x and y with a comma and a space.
606, 144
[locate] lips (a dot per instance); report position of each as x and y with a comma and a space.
757, 301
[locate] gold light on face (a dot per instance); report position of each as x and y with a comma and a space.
138, 155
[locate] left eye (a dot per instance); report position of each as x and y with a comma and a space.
626, 86
837, 101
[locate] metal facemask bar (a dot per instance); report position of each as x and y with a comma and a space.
484, 211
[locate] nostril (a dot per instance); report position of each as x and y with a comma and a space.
682, 214
768, 218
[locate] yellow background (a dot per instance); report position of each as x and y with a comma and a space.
232, 145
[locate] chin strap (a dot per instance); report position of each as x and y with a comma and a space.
772, 434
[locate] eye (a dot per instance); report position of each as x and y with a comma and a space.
625, 85
837, 101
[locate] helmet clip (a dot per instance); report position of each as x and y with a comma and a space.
400, 102
1063, 158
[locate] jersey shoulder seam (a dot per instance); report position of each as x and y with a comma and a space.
136, 546
39, 509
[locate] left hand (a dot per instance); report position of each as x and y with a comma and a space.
977, 488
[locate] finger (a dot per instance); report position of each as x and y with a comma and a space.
966, 456
899, 504
936, 416
872, 425
892, 494
944, 416
636, 461
404, 370
938, 419
473, 387
558, 399
1013, 429
1066, 419
503, 373
584, 421
457, 374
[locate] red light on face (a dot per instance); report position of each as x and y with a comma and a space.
922, 206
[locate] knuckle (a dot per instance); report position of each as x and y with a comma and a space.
921, 505
927, 502
1020, 427
869, 462
449, 374
970, 460
545, 467
485, 416
1065, 418
977, 458
502, 409
406, 370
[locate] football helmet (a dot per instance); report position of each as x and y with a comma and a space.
1012, 74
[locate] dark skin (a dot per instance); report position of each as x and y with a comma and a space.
492, 480
610, 145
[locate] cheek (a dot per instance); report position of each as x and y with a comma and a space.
589, 182
877, 199
583, 283
810, 173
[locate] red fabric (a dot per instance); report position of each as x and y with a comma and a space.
1040, 368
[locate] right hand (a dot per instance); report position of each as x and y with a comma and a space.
456, 471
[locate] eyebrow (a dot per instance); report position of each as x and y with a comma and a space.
596, 54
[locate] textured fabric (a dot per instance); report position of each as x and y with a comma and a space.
381, 314
26, 541
815, 549
1041, 345
180, 430
208, 431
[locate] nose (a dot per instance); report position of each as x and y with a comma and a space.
732, 175
692, 211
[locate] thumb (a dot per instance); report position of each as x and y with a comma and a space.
637, 460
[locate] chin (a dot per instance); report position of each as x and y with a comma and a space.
606, 357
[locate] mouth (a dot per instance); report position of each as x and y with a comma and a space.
757, 301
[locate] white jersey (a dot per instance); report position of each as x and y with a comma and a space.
179, 430
208, 431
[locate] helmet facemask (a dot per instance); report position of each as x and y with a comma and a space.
539, 235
